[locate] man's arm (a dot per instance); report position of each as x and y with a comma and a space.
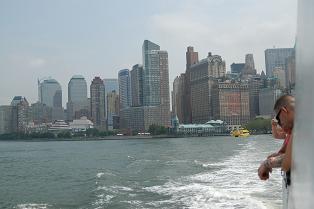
286, 164
275, 162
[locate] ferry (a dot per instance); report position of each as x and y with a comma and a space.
240, 133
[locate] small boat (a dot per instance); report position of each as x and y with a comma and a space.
240, 133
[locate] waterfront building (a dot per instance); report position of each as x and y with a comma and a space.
212, 127
59, 126
6, 119
137, 74
97, 93
276, 57
124, 88
267, 99
112, 108
232, 103
140, 118
81, 125
77, 96
203, 76
21, 116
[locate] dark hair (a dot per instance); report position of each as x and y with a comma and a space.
282, 101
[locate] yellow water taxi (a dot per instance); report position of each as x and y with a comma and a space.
240, 133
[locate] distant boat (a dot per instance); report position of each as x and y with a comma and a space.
240, 133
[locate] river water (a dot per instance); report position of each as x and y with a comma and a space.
212, 172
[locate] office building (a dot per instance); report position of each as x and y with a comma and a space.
202, 77
77, 96
276, 57
97, 94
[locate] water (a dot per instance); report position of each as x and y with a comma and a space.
214, 172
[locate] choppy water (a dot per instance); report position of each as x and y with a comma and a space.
214, 172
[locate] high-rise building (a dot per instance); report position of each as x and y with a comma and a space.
178, 97
191, 59
203, 76
6, 119
276, 57
111, 84
164, 89
124, 88
151, 92
50, 93
41, 113
280, 74
137, 74
290, 71
155, 105
77, 96
237, 67
254, 83
97, 94
231, 103
20, 114
267, 99
249, 66
112, 108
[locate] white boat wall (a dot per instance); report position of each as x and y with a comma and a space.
302, 188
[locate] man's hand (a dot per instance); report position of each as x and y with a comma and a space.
263, 172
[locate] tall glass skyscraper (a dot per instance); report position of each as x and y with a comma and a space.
124, 88
50, 94
77, 96
276, 58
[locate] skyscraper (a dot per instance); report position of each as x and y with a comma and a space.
178, 95
191, 59
203, 76
156, 81
77, 96
97, 94
111, 84
50, 93
276, 57
151, 94
112, 108
249, 66
237, 67
155, 108
20, 113
124, 88
6, 119
137, 85
164, 88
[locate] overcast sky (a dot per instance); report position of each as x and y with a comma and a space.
61, 38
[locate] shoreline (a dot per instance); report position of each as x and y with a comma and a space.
107, 138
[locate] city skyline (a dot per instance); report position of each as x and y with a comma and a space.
96, 44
